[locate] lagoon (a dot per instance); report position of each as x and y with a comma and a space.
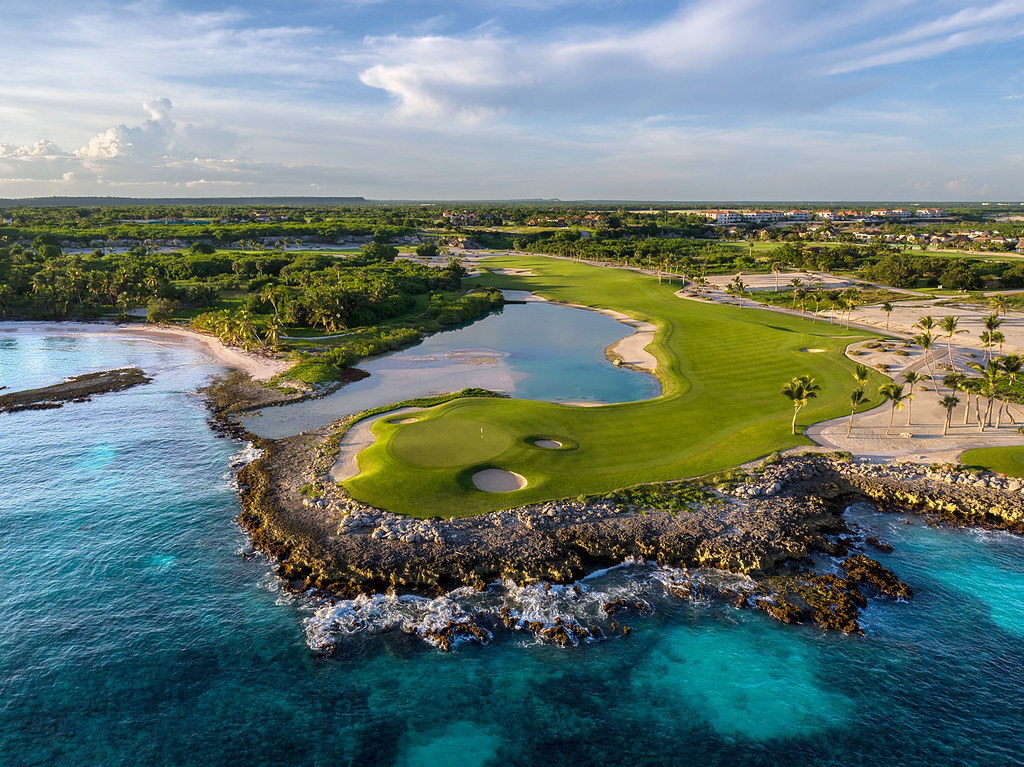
534, 350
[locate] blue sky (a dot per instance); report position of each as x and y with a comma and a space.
905, 100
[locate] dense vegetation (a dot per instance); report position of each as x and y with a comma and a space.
250, 299
250, 276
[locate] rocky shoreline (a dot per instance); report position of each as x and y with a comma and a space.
76, 389
778, 527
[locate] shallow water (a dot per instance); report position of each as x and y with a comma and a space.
135, 632
531, 351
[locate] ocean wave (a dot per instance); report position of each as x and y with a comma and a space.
569, 615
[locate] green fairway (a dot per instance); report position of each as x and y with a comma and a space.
1004, 460
721, 368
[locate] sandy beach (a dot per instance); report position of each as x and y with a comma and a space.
259, 367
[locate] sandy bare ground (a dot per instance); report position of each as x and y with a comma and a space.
632, 349
515, 271
498, 481
359, 437
916, 432
259, 367
921, 439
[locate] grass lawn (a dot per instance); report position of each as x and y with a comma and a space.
721, 367
1005, 460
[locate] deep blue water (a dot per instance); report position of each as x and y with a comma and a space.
536, 350
135, 632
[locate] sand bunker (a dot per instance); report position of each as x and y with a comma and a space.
813, 351
498, 481
551, 444
404, 420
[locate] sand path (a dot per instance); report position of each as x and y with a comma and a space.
358, 438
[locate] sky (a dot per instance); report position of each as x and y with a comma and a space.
902, 100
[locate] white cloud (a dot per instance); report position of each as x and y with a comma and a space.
693, 101
154, 139
972, 26
41, 148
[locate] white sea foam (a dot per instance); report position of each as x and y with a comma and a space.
429, 619
571, 613
245, 456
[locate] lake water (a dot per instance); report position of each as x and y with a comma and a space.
535, 350
135, 632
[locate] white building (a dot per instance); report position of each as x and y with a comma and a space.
722, 217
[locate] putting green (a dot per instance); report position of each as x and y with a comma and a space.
721, 367
449, 442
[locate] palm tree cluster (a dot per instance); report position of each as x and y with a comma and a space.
48, 283
996, 382
841, 301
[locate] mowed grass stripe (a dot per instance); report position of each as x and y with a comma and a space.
722, 369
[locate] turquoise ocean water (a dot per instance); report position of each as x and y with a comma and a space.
135, 632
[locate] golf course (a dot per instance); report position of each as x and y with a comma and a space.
1004, 460
722, 369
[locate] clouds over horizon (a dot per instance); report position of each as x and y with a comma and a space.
670, 97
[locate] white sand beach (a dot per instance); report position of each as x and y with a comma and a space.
259, 367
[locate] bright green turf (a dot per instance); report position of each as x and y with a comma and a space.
1004, 460
721, 367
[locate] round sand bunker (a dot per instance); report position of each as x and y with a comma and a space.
404, 420
550, 444
498, 481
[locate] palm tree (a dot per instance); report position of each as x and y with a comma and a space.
736, 288
273, 336
948, 402
912, 377
797, 284
861, 374
926, 323
998, 304
894, 393
958, 382
1012, 364
948, 326
856, 397
800, 295
992, 323
269, 295
776, 269
986, 343
997, 339
991, 377
800, 391
887, 308
833, 298
926, 341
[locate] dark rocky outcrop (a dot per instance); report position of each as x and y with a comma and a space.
773, 528
76, 389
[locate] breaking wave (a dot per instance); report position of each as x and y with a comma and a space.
569, 615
